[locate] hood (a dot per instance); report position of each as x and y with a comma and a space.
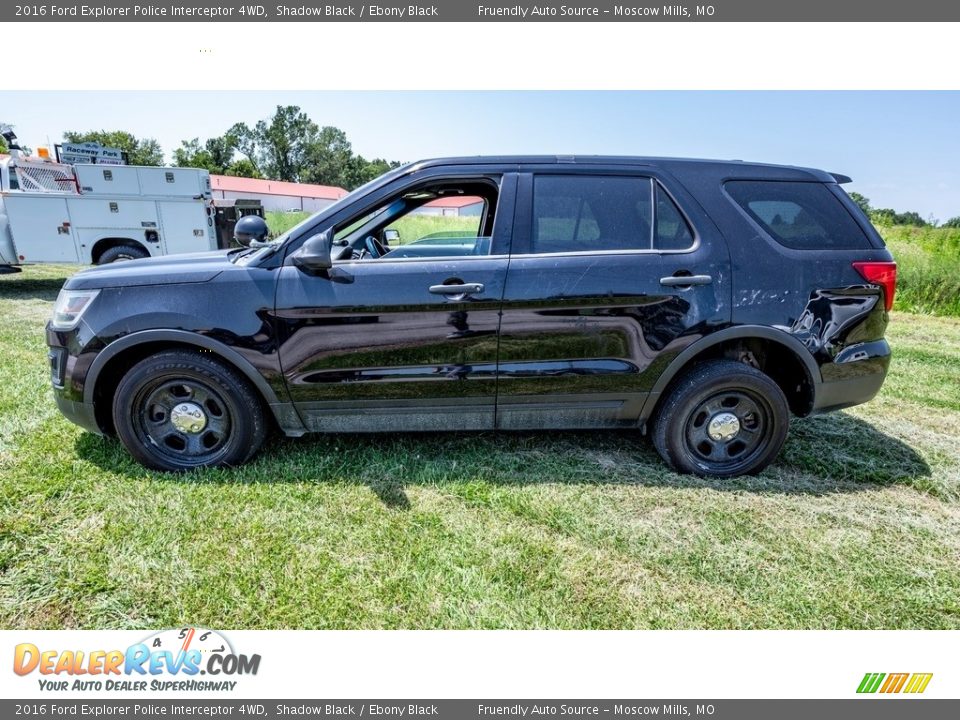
163, 270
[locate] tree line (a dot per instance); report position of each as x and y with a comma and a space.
290, 146
286, 146
887, 216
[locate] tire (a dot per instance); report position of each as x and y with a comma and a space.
180, 410
122, 252
693, 430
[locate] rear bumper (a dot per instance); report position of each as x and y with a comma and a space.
854, 377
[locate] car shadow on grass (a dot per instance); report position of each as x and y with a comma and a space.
17, 287
828, 454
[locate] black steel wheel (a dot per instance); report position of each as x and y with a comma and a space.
722, 419
180, 410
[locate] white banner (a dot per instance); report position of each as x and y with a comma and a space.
464, 664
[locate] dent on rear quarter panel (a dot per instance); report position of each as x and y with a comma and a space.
837, 318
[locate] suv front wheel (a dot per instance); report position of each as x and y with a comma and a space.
179, 410
722, 419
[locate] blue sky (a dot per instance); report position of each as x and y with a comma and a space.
901, 148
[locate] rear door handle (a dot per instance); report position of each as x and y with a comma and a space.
460, 289
685, 280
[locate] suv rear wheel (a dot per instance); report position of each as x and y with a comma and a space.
180, 410
723, 418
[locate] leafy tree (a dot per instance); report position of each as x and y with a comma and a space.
192, 154
216, 155
246, 145
3, 146
290, 146
329, 157
909, 218
883, 216
221, 151
953, 222
332, 162
360, 171
861, 201
280, 147
287, 146
140, 151
886, 216
242, 168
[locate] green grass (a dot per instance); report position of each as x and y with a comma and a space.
928, 268
857, 526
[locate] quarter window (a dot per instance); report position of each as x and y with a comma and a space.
673, 231
799, 215
582, 213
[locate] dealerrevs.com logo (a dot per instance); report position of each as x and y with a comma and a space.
182, 659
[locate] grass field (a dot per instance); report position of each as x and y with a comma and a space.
857, 526
929, 268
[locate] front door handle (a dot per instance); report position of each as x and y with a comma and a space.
458, 289
685, 280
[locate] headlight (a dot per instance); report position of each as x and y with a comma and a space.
70, 305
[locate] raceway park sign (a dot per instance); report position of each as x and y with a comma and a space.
89, 152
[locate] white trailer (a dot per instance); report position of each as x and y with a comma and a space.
93, 214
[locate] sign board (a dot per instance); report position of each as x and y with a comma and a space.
89, 152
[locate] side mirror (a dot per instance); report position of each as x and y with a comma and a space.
314, 254
390, 236
251, 231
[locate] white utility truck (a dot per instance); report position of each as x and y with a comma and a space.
54, 212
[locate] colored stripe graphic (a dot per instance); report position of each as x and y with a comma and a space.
870, 682
894, 683
918, 682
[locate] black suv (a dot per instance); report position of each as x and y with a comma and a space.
702, 302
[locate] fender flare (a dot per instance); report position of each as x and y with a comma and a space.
737, 332
179, 336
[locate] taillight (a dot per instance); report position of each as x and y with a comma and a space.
883, 274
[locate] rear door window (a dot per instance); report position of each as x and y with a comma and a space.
588, 213
799, 215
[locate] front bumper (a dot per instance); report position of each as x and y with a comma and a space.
79, 413
67, 375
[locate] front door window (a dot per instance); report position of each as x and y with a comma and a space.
442, 219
